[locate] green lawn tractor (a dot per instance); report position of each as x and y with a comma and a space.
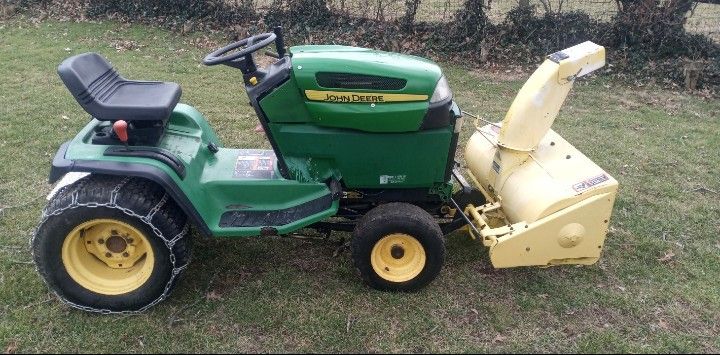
363, 141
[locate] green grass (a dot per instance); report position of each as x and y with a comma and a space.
283, 295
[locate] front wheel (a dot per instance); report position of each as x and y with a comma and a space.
111, 244
398, 247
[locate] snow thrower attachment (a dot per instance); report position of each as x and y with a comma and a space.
547, 203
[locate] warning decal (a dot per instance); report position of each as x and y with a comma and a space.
255, 164
588, 183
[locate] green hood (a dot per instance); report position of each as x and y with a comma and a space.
421, 74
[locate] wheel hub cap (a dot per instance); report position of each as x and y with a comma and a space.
116, 244
397, 251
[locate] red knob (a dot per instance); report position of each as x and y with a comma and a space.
120, 128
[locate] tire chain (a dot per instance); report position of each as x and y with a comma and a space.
169, 243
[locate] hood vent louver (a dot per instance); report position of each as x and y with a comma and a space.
358, 81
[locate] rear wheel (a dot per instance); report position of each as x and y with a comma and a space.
398, 247
111, 244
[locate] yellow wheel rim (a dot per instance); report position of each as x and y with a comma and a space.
108, 257
398, 257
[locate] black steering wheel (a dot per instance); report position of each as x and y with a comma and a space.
242, 58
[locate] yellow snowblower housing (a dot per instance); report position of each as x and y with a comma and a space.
548, 203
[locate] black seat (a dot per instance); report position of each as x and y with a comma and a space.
107, 96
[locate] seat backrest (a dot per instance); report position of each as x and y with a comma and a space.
85, 72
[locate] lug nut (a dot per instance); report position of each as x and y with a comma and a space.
101, 241
107, 255
130, 240
126, 254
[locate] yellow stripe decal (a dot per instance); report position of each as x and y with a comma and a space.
350, 97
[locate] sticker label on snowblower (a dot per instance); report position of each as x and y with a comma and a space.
593, 181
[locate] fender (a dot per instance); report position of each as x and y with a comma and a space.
62, 166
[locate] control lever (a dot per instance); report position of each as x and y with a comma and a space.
120, 127
279, 41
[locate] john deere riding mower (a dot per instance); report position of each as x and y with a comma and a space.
362, 141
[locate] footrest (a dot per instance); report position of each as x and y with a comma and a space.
242, 218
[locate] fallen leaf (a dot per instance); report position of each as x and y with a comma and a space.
667, 257
499, 338
350, 321
11, 347
663, 324
212, 296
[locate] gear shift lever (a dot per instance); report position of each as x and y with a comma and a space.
120, 128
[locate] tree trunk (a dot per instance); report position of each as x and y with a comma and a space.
411, 7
